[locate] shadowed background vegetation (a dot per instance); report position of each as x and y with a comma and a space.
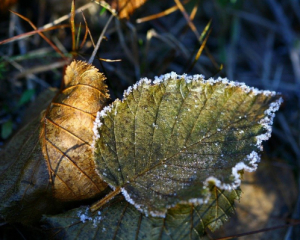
256, 41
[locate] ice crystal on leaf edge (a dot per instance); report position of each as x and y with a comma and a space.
253, 158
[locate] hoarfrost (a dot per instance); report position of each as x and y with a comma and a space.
248, 164
268, 121
173, 75
252, 159
127, 92
84, 217
157, 80
138, 206
198, 201
98, 124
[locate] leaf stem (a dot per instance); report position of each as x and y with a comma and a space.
104, 200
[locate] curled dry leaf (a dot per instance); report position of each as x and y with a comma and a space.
169, 139
68, 133
50, 159
125, 7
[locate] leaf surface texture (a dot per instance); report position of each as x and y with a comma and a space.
120, 220
168, 139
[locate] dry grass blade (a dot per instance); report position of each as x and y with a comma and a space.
258, 231
161, 14
194, 11
72, 21
28, 34
42, 68
186, 16
110, 60
41, 34
87, 31
199, 52
100, 39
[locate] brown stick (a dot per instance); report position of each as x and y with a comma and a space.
104, 200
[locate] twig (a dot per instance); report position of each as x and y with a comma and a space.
100, 39
43, 68
67, 16
106, 199
187, 17
41, 34
258, 231
28, 34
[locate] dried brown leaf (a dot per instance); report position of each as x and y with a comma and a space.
125, 7
50, 160
68, 133
6, 4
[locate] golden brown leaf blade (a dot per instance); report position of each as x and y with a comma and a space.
6, 4
50, 160
68, 133
125, 7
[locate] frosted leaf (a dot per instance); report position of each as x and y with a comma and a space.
121, 220
169, 151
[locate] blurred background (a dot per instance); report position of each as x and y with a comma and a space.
256, 42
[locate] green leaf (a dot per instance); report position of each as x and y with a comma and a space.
6, 129
170, 138
120, 220
26, 96
102, 11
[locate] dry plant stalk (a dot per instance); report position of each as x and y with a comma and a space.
67, 129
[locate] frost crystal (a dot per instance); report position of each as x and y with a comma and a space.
127, 92
98, 124
130, 200
140, 207
268, 121
84, 217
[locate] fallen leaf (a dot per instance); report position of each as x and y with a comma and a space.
120, 220
67, 133
6, 4
169, 139
125, 7
50, 160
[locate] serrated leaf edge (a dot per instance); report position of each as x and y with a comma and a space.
253, 158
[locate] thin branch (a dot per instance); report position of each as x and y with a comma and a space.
100, 39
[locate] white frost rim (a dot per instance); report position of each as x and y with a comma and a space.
253, 158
